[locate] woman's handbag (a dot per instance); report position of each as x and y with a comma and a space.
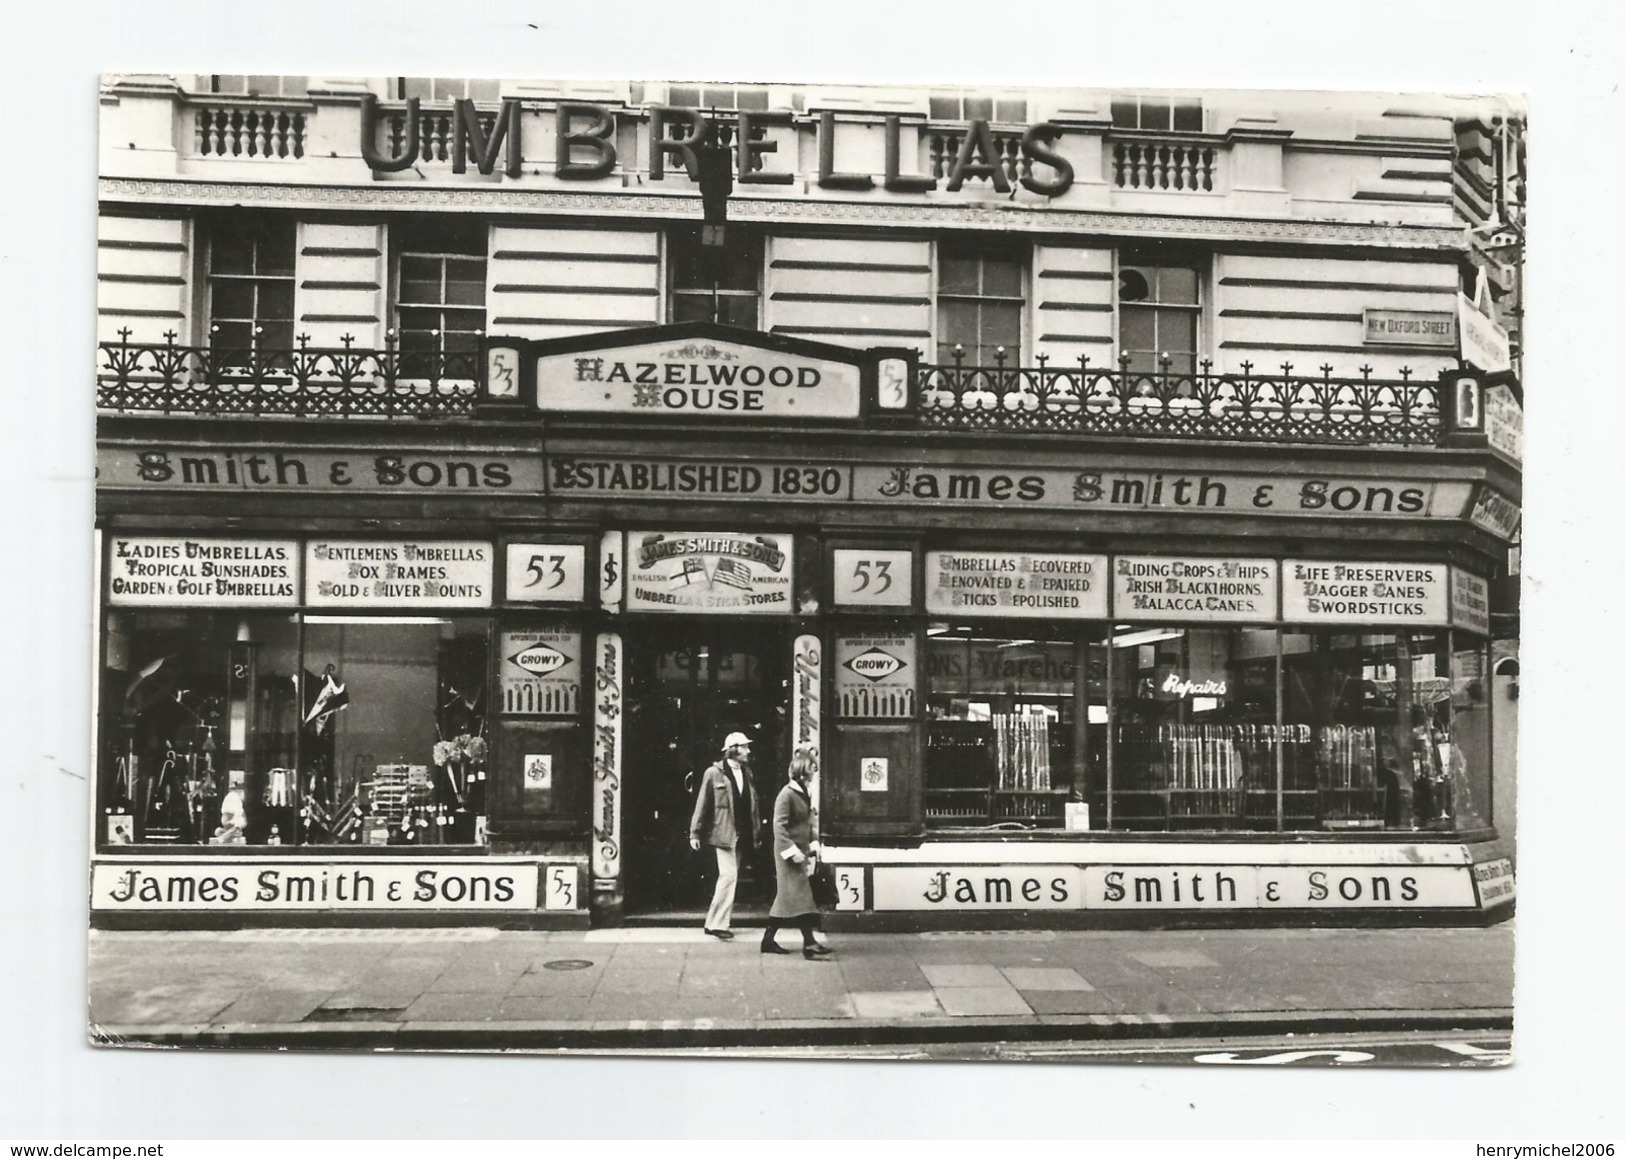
822, 881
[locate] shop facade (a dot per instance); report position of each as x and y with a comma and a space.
444, 529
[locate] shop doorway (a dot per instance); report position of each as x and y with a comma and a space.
690, 686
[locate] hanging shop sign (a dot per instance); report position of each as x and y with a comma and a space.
1484, 343
1503, 421
1012, 583
540, 672
876, 677
1170, 588
1469, 601
147, 571
709, 571
1496, 514
165, 467
282, 884
867, 577
698, 376
545, 573
1171, 887
1322, 592
351, 573
1410, 328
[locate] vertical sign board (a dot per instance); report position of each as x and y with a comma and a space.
1149, 589
1015, 583
736, 572
1469, 602
1503, 421
149, 571
873, 578
1484, 344
876, 677
342, 573
606, 761
1330, 592
806, 709
540, 672
545, 573
612, 571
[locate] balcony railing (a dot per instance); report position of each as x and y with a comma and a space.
1158, 162
248, 129
310, 382
1285, 407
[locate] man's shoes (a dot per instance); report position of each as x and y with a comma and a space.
723, 935
816, 952
773, 948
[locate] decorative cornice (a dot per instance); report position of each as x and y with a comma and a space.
1001, 215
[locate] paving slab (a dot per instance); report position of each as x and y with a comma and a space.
981, 1001
454, 1008
962, 974
1045, 978
905, 1004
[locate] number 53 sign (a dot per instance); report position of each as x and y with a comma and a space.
546, 573
868, 578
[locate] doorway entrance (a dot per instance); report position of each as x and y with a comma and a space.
690, 685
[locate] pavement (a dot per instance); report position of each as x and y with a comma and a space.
657, 987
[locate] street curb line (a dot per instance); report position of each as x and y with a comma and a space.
709, 1032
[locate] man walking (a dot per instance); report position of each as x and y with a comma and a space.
725, 817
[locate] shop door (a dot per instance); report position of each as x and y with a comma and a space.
690, 687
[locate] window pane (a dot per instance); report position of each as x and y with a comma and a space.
277, 339
1134, 285
1001, 278
465, 282
1187, 118
265, 86
418, 319
230, 252
485, 91
944, 108
231, 298
684, 96
295, 86
1126, 114
275, 250
234, 85
409, 686
201, 715
231, 335
978, 108
1001, 326
275, 301
1138, 328
959, 275
1176, 331
956, 322
1010, 112
1155, 114
717, 98
446, 89
737, 310
1467, 755
420, 279
690, 308
1176, 284
753, 99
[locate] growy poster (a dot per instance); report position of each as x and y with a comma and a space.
713, 571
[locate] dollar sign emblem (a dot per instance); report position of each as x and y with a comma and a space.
610, 574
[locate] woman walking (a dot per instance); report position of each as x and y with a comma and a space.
792, 863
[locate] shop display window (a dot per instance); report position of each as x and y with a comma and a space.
1193, 732
238, 729
1014, 725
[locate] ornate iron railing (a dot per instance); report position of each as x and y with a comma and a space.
1286, 407
308, 382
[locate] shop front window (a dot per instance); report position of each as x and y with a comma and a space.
249, 729
1014, 727
1194, 736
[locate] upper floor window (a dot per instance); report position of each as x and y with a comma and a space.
980, 299
259, 86
440, 88
715, 283
1159, 316
439, 287
751, 98
1160, 113
249, 273
959, 107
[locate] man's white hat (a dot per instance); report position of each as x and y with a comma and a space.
736, 738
